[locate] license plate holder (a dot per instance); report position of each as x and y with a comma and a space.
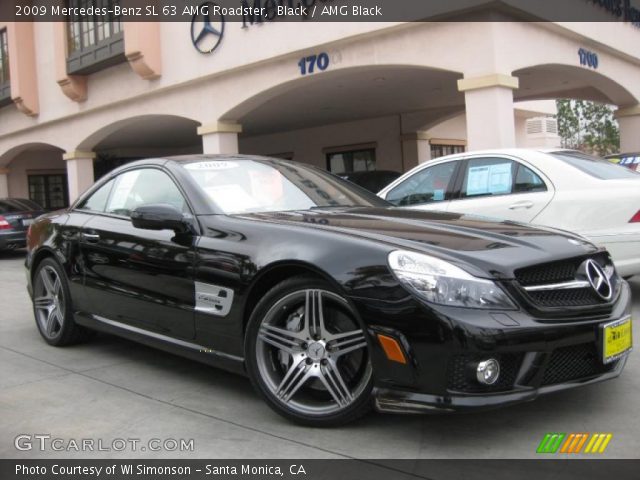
27, 221
617, 339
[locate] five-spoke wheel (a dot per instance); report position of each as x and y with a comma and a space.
52, 306
49, 302
308, 355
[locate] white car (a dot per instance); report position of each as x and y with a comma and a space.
564, 189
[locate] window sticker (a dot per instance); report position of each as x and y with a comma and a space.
266, 186
489, 179
232, 198
122, 190
216, 165
438, 195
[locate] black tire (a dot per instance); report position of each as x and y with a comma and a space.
360, 398
67, 332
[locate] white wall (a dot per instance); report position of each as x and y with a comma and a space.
454, 129
307, 145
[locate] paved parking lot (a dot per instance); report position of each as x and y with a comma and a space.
112, 388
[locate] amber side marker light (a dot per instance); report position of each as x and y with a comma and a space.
392, 349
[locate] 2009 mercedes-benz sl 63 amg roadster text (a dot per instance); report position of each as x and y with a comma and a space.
330, 299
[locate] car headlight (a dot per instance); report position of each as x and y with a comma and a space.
441, 282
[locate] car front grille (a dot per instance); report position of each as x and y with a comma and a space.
461, 371
566, 298
557, 273
548, 273
575, 362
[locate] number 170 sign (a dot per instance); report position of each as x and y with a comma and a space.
314, 63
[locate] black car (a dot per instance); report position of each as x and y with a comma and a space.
373, 181
330, 299
16, 214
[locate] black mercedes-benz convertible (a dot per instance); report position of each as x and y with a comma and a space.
330, 299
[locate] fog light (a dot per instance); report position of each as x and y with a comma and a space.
488, 371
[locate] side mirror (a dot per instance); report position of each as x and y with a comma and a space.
160, 216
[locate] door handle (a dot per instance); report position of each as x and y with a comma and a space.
91, 237
524, 204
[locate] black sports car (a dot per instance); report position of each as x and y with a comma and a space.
330, 299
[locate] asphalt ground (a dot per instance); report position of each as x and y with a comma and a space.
112, 389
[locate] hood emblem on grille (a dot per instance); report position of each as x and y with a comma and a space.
598, 279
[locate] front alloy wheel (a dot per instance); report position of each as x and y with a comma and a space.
308, 355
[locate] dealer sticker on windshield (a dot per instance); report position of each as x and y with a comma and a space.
214, 165
617, 338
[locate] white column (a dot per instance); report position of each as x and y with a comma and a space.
424, 150
629, 121
415, 149
220, 137
4, 182
79, 172
489, 110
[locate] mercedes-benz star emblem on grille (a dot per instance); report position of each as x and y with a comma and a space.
207, 28
598, 279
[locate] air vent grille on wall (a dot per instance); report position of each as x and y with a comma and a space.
534, 125
538, 125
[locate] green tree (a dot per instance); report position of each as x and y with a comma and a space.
588, 126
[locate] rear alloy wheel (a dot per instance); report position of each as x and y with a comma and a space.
52, 306
307, 354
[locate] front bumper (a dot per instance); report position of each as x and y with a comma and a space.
537, 355
401, 401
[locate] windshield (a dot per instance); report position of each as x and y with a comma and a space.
248, 186
595, 166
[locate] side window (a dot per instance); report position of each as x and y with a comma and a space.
488, 176
430, 184
528, 181
97, 202
143, 187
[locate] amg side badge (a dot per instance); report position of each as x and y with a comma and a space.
213, 299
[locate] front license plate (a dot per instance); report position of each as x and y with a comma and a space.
617, 338
27, 221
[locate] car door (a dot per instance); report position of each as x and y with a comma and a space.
143, 278
429, 188
501, 187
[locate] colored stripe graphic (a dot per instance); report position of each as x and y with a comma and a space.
581, 443
598, 443
551, 442
573, 443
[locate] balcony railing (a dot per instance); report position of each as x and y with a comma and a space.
102, 54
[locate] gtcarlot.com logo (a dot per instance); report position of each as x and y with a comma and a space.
47, 443
574, 443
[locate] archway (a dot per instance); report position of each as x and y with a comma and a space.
551, 81
141, 137
557, 81
356, 111
35, 171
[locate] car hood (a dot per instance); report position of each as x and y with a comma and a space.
485, 247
